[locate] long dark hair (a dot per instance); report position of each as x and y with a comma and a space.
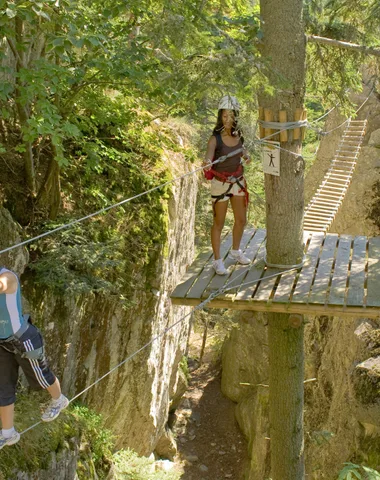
235, 130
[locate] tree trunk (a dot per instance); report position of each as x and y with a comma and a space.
22, 109
50, 190
283, 49
286, 397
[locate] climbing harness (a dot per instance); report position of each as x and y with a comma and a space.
231, 178
14, 345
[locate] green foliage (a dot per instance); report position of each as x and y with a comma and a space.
100, 441
76, 424
183, 365
121, 156
332, 72
351, 471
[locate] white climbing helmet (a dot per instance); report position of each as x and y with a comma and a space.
228, 102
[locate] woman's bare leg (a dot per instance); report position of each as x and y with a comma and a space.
239, 208
217, 227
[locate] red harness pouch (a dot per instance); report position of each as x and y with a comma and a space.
209, 174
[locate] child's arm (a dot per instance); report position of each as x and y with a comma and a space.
8, 283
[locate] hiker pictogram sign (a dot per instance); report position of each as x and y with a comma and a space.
271, 158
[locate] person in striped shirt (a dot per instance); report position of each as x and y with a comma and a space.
21, 345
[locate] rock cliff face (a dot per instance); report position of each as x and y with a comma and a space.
244, 380
342, 411
10, 235
89, 335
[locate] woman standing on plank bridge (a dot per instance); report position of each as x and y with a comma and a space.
227, 180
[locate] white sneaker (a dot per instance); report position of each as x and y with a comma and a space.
54, 409
9, 441
219, 267
239, 256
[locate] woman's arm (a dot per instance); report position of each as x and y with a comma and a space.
246, 156
210, 152
8, 283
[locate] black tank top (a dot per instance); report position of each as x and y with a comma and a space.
232, 163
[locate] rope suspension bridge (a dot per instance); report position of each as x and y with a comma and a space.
322, 208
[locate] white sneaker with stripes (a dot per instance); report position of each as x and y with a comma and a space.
239, 256
9, 441
54, 408
219, 267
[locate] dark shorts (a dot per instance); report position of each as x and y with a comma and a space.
12, 356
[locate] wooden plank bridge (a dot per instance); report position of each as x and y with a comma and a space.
340, 276
322, 208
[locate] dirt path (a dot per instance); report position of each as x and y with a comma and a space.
210, 444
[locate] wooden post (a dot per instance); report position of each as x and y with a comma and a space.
297, 117
268, 117
261, 117
303, 129
282, 117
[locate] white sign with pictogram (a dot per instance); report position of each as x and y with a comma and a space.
271, 158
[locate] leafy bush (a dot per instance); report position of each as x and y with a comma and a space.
359, 472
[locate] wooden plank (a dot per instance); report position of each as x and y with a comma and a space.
321, 207
356, 278
328, 203
342, 263
347, 161
311, 223
318, 214
317, 209
326, 194
329, 197
344, 179
238, 275
309, 217
306, 275
339, 176
191, 274
314, 222
373, 281
339, 169
208, 272
285, 286
306, 309
333, 187
336, 184
326, 190
324, 270
266, 285
255, 272
193, 271
218, 281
